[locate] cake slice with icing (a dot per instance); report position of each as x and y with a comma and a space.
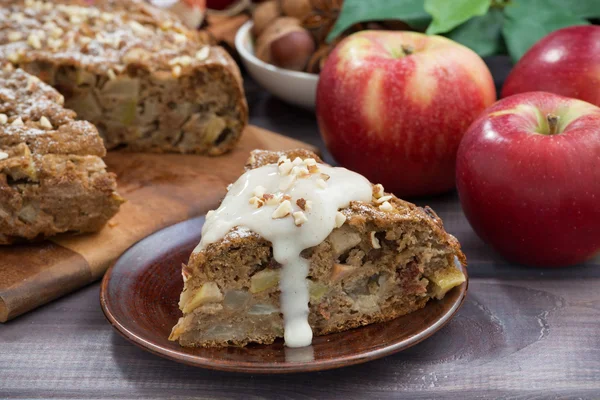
299, 248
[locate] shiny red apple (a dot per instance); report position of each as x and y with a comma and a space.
566, 62
528, 177
394, 106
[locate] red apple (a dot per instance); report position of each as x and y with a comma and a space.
566, 62
528, 177
394, 106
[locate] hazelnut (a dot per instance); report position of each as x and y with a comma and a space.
274, 31
296, 8
264, 14
293, 50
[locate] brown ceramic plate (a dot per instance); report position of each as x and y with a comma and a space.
139, 297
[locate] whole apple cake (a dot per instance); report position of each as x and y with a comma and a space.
52, 177
147, 82
300, 248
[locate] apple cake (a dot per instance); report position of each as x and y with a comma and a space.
136, 72
298, 248
52, 177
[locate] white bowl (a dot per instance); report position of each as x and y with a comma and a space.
297, 88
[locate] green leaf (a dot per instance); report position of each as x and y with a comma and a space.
447, 15
482, 34
527, 21
585, 8
354, 11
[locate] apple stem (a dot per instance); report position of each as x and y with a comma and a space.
408, 49
552, 124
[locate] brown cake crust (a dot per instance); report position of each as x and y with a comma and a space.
377, 266
52, 177
147, 82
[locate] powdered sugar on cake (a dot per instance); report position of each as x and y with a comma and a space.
295, 205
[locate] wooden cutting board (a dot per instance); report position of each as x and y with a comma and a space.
161, 190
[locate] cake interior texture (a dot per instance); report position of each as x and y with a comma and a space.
52, 177
377, 266
143, 79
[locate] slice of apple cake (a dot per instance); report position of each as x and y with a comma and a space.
300, 248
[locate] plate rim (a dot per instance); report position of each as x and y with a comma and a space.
252, 368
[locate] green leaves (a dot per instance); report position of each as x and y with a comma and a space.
482, 34
486, 26
354, 11
449, 14
527, 21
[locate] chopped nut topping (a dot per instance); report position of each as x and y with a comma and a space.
251, 159
182, 60
287, 197
17, 16
166, 25
31, 81
301, 203
300, 171
282, 159
310, 161
285, 167
3, 155
374, 241
176, 71
256, 202
56, 32
297, 161
34, 41
14, 36
45, 123
271, 200
284, 209
308, 205
313, 169
17, 122
138, 28
85, 39
321, 183
340, 218
325, 177
382, 199
111, 75
203, 53
14, 57
259, 191
3, 119
54, 43
179, 38
299, 218
377, 191
229, 186
386, 206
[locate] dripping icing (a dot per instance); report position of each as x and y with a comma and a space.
324, 190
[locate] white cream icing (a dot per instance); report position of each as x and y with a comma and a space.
326, 190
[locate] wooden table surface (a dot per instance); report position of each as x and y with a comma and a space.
522, 333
